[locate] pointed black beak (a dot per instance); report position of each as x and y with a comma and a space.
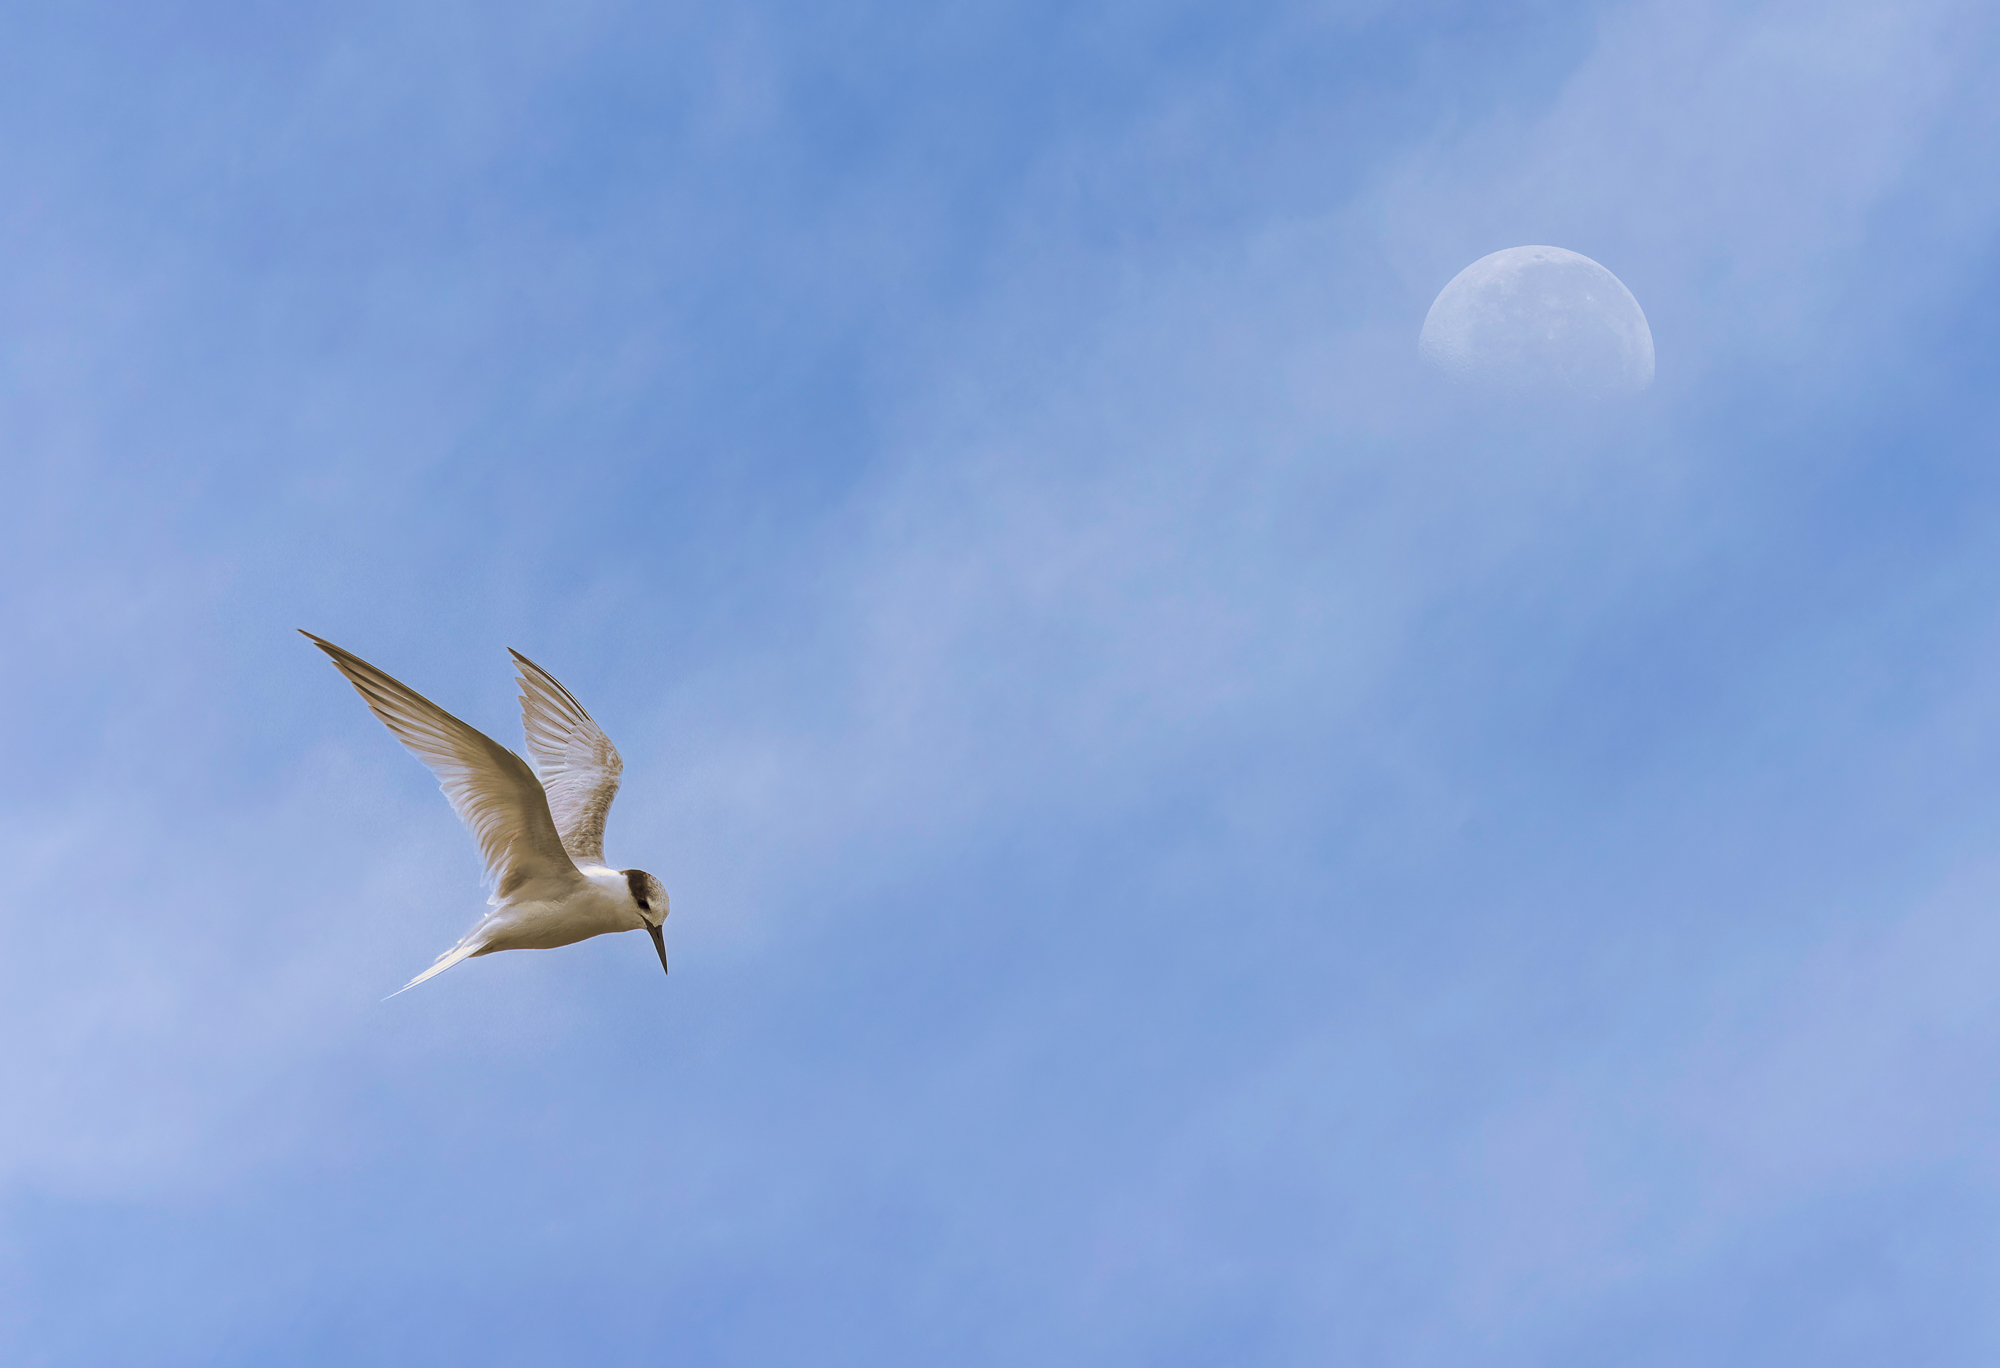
660, 944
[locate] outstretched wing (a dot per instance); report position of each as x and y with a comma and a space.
492, 789
577, 763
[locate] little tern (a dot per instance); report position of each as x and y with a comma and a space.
540, 831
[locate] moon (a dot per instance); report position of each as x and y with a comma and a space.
1539, 320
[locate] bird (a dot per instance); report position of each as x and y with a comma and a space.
540, 831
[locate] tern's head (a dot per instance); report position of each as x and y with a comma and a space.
647, 893
651, 900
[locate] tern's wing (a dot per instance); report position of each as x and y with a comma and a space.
577, 763
492, 789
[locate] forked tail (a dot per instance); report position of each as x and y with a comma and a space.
465, 949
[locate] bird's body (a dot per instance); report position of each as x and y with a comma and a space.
541, 923
541, 831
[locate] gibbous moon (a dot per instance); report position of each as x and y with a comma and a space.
1539, 320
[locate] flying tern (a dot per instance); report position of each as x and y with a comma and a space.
540, 831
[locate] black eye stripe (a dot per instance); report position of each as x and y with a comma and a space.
635, 879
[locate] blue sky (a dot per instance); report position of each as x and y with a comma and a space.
1188, 844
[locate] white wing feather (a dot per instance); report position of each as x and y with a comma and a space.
577, 764
492, 789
